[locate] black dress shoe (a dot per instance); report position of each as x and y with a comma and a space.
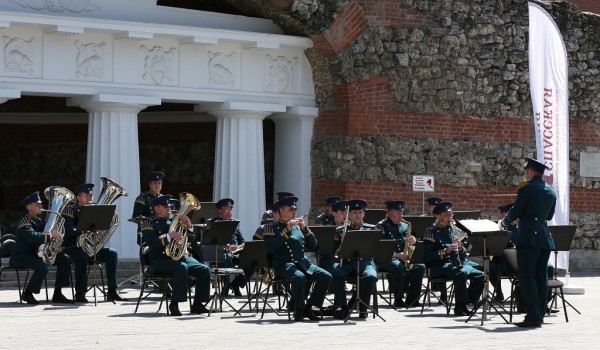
328, 311
362, 314
236, 291
527, 324
80, 298
310, 314
61, 299
28, 297
552, 311
400, 303
199, 308
174, 308
113, 295
415, 304
341, 314
298, 315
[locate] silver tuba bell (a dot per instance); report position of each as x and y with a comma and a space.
92, 241
58, 199
178, 248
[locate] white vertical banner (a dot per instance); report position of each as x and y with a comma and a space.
548, 68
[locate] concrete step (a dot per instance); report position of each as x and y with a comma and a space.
125, 269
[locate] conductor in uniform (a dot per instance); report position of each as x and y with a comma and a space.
286, 240
444, 251
30, 234
533, 207
396, 228
157, 237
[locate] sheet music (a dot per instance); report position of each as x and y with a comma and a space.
481, 225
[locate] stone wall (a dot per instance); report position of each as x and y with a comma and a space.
441, 88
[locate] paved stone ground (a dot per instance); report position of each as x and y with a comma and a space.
109, 326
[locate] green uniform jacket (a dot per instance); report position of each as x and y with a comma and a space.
287, 247
152, 230
29, 236
535, 205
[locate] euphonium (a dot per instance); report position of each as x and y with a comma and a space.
58, 199
92, 241
178, 248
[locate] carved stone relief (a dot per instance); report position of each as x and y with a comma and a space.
157, 66
90, 60
76, 6
219, 69
18, 55
280, 74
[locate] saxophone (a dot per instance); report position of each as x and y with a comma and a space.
92, 241
409, 248
58, 199
178, 249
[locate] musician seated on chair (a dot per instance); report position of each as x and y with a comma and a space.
157, 237
233, 249
432, 202
143, 203
30, 234
347, 268
286, 240
446, 256
327, 217
84, 195
411, 278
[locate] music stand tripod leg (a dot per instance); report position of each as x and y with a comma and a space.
358, 301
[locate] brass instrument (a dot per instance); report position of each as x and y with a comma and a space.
59, 198
409, 248
92, 241
177, 249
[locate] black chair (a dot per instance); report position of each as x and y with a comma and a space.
553, 284
160, 281
214, 256
447, 289
385, 250
7, 244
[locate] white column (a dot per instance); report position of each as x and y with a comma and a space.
113, 152
239, 159
293, 136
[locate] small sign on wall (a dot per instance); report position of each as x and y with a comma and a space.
423, 183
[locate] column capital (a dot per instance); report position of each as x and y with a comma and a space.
113, 103
240, 110
296, 112
9, 94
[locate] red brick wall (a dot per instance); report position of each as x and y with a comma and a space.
587, 5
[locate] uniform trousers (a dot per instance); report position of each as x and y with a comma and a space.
181, 270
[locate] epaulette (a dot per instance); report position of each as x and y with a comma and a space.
369, 226
26, 221
429, 234
146, 224
141, 199
258, 234
382, 222
268, 231
69, 211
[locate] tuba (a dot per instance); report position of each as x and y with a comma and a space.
58, 199
178, 249
92, 241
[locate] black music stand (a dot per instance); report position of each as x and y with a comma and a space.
200, 217
486, 240
253, 256
385, 251
359, 245
96, 218
137, 278
467, 215
219, 234
373, 216
419, 224
563, 237
325, 236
